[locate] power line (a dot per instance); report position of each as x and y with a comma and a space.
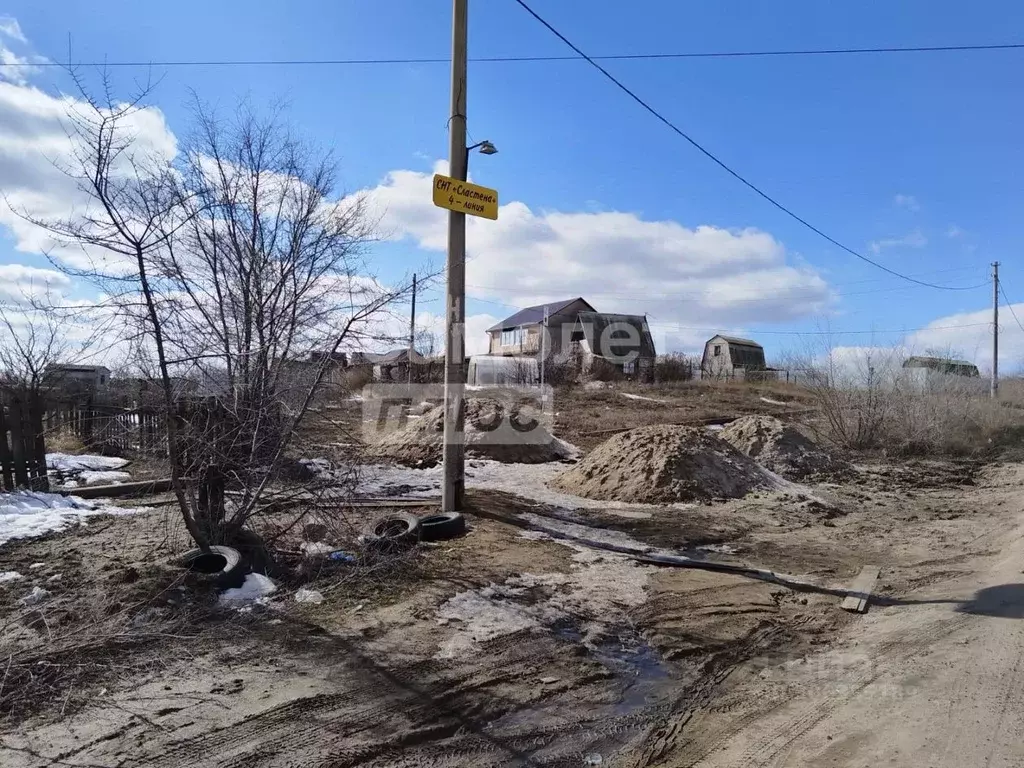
833, 333
529, 59
1009, 306
706, 296
724, 166
678, 326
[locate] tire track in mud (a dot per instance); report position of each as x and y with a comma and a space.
899, 647
431, 704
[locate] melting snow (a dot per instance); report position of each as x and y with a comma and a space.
103, 477
772, 402
29, 513
631, 396
6, 576
65, 462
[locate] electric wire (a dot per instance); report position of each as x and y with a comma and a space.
723, 165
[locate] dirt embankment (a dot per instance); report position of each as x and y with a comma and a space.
663, 464
781, 448
494, 430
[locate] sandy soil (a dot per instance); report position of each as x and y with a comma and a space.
506, 647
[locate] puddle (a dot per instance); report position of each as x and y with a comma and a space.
638, 667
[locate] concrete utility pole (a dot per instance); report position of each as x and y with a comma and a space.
452, 490
412, 327
543, 348
995, 329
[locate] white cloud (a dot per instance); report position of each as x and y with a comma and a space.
9, 27
33, 143
906, 201
954, 231
19, 283
704, 276
915, 239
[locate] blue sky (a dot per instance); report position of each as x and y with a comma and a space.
913, 159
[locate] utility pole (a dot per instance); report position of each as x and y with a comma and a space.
543, 348
995, 329
412, 327
453, 488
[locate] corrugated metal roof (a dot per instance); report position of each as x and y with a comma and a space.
605, 344
534, 315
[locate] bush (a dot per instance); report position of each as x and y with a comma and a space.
904, 413
673, 367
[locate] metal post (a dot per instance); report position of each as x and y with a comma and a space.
412, 327
452, 490
543, 348
995, 329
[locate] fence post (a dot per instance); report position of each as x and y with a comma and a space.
6, 460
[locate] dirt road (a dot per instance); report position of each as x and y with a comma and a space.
932, 681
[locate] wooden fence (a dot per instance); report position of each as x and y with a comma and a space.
108, 428
22, 447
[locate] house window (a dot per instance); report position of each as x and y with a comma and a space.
512, 338
718, 350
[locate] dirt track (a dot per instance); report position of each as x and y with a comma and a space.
507, 650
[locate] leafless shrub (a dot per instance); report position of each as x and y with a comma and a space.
868, 400
674, 367
602, 370
230, 264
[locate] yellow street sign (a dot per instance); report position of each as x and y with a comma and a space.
463, 197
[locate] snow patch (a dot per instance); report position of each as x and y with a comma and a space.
66, 462
631, 396
594, 593
29, 513
772, 402
6, 576
102, 477
309, 596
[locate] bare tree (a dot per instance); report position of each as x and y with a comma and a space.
234, 262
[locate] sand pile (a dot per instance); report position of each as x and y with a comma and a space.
780, 447
663, 464
419, 443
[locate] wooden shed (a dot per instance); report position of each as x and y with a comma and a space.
730, 356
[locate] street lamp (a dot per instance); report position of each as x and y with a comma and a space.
485, 147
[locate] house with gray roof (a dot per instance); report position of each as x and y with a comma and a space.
576, 331
520, 334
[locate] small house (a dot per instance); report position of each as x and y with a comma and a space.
728, 357
78, 378
520, 334
940, 374
943, 366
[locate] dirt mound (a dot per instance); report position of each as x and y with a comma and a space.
663, 464
780, 447
488, 436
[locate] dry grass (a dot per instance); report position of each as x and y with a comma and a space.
55, 654
64, 441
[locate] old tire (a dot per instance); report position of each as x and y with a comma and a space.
395, 531
441, 526
221, 565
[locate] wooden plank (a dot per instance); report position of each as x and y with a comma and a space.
857, 601
138, 488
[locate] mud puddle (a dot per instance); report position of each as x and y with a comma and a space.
642, 678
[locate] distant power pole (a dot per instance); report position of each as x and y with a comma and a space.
412, 327
543, 348
995, 329
453, 456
